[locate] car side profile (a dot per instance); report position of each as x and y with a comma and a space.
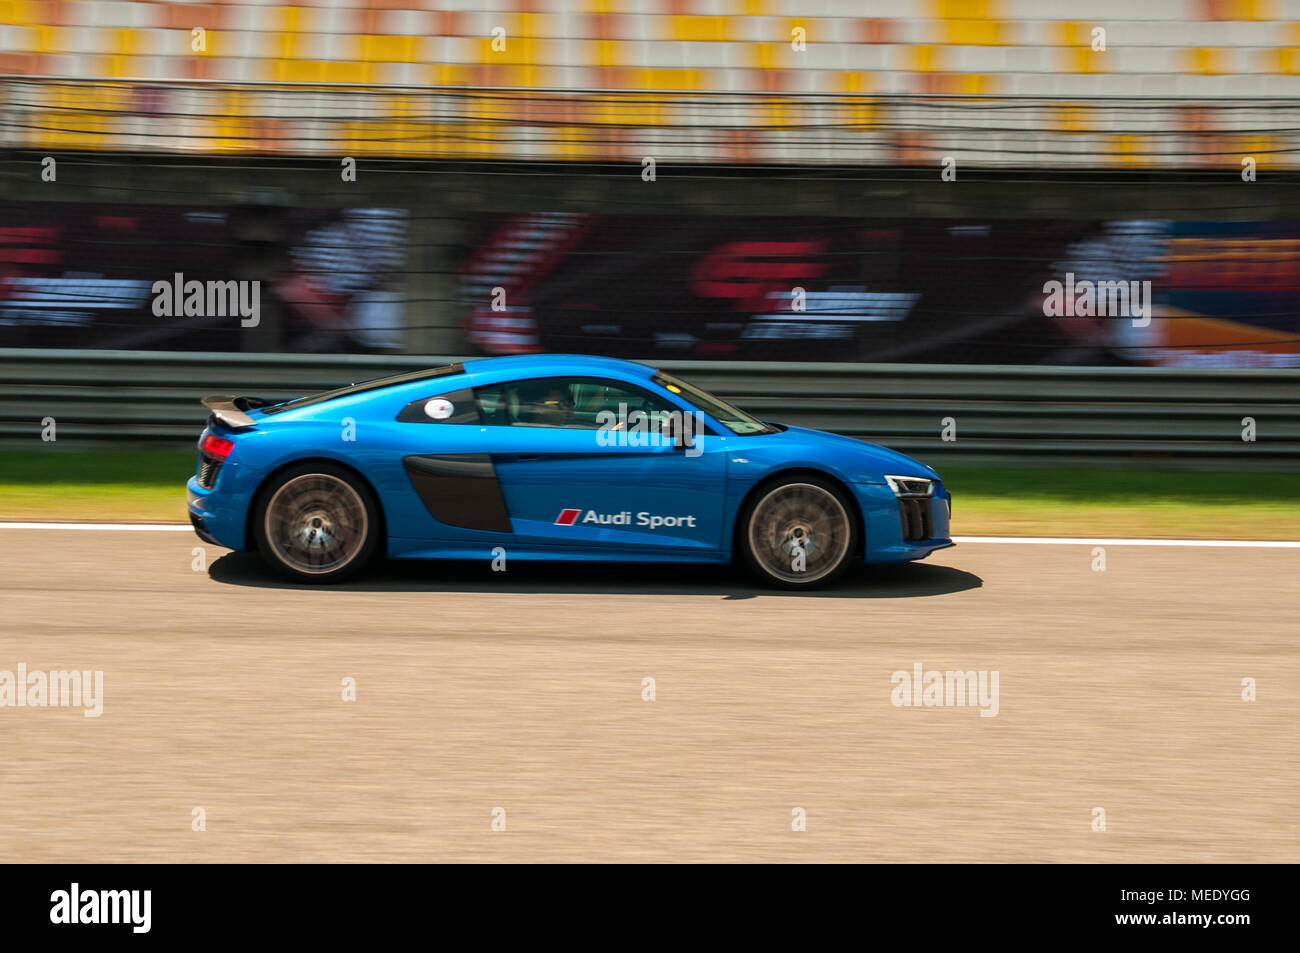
551, 457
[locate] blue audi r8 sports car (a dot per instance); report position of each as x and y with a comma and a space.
554, 457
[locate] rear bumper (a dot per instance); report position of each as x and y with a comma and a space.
200, 529
216, 518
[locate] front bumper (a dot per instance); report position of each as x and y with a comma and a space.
883, 525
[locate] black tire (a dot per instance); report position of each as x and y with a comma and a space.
316, 522
799, 506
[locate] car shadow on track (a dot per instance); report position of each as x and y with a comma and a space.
898, 581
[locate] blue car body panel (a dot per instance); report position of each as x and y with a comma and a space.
517, 486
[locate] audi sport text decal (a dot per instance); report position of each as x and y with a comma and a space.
568, 517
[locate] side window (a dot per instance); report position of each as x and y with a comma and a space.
454, 407
573, 403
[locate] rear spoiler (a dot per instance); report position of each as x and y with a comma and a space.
231, 410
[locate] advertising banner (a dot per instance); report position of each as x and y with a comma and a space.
177, 277
1004, 291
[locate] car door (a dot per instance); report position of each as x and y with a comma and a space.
578, 467
441, 463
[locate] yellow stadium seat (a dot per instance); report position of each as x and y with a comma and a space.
527, 25
388, 49
289, 46
17, 13
1255, 10
1204, 60
346, 72
971, 84
451, 74
1082, 59
46, 39
926, 58
700, 29
118, 67
974, 32
125, 42
763, 55
849, 81
298, 71
1284, 60
964, 9
289, 19
1072, 33
606, 53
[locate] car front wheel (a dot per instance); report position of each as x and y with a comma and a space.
317, 523
798, 533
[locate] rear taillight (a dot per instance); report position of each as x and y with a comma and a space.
216, 446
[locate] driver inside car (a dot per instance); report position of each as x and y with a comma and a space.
545, 405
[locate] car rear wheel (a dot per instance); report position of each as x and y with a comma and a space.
317, 523
798, 533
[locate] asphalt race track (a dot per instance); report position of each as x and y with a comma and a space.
1118, 689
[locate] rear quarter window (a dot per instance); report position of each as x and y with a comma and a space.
453, 407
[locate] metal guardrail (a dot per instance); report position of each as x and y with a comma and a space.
672, 126
1008, 414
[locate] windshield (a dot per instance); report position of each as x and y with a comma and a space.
734, 419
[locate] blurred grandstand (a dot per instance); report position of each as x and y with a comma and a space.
522, 105
1160, 48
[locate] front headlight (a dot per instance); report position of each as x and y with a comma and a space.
910, 486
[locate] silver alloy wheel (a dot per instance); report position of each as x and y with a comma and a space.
316, 523
795, 514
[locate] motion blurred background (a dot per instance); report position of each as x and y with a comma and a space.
655, 179
677, 181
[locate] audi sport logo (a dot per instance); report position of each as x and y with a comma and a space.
569, 517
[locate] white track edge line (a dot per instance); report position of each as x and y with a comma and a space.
1085, 541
